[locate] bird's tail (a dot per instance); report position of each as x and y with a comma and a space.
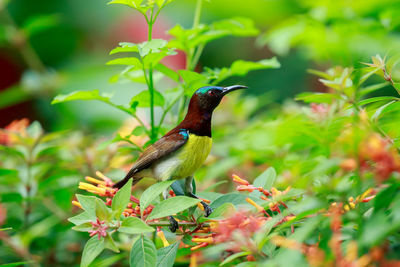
128, 176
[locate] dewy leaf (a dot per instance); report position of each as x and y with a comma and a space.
143, 253
153, 192
172, 206
166, 255
121, 199
264, 180
91, 250
133, 225
81, 95
143, 99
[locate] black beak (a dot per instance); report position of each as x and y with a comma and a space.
232, 88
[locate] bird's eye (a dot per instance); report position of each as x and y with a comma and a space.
211, 93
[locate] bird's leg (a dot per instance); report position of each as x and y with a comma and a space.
189, 192
173, 223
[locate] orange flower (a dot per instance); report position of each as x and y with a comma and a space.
15, 127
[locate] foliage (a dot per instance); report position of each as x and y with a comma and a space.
326, 191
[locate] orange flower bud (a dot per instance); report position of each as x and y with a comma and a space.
239, 180
258, 207
77, 204
208, 240
161, 235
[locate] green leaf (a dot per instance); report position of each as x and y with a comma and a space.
130, 61
385, 197
220, 213
143, 99
192, 81
264, 180
241, 67
91, 250
172, 206
166, 255
376, 99
125, 47
35, 130
372, 88
316, 97
81, 95
121, 199
234, 256
109, 243
133, 225
81, 218
167, 72
36, 24
152, 193
153, 46
84, 227
6, 172
234, 198
88, 204
13, 95
19, 263
237, 26
102, 211
131, 3
143, 253
382, 110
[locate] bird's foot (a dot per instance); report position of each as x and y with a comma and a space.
207, 209
173, 224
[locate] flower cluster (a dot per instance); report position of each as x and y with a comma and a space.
7, 135
99, 228
237, 230
375, 154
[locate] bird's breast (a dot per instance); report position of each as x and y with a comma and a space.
186, 160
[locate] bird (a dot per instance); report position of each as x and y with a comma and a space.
181, 151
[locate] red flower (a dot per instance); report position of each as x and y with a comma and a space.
98, 228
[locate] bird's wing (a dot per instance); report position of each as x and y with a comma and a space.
163, 147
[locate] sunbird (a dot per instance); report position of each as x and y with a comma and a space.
179, 153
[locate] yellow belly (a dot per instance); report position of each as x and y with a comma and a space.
185, 161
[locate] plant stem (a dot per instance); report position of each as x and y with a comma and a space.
153, 134
197, 13
28, 53
166, 223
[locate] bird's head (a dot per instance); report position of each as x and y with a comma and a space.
209, 97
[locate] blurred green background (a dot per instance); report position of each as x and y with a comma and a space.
50, 47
